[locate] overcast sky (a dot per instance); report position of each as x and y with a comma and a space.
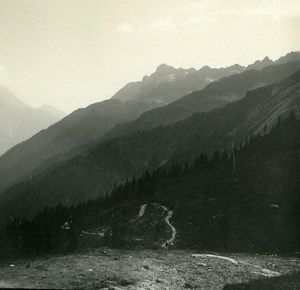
71, 53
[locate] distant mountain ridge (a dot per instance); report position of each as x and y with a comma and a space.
167, 84
290, 57
8, 98
18, 121
215, 95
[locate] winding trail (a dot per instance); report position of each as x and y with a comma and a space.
174, 232
169, 242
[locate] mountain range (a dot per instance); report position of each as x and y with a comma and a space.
215, 95
168, 84
99, 122
106, 164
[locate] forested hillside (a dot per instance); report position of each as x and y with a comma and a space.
243, 200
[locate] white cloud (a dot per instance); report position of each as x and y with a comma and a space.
126, 28
162, 25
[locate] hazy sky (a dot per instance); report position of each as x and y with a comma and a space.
71, 53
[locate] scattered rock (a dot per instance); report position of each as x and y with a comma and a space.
202, 264
187, 285
272, 265
126, 282
160, 280
40, 267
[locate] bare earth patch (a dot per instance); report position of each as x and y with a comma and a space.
142, 269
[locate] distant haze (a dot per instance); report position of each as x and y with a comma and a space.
71, 53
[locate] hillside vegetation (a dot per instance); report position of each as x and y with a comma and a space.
244, 201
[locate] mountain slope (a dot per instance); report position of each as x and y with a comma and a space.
85, 126
247, 203
105, 164
66, 138
215, 95
210, 204
18, 121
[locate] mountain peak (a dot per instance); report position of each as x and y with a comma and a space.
8, 98
164, 69
260, 64
266, 59
205, 68
163, 66
290, 57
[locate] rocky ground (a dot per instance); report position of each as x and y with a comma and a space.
142, 269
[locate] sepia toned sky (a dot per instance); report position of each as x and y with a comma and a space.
71, 53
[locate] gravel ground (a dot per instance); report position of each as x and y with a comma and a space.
141, 269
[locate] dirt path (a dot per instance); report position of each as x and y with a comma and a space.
167, 221
174, 232
140, 269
